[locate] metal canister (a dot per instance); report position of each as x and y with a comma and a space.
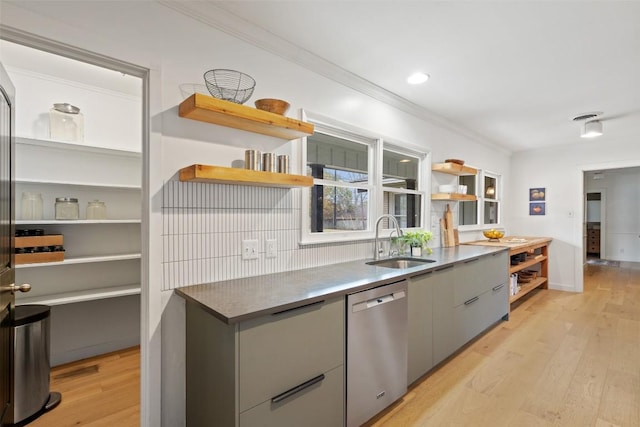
283, 163
252, 159
268, 162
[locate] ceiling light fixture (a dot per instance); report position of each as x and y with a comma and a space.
591, 127
417, 78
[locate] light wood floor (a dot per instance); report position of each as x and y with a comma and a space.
563, 359
101, 391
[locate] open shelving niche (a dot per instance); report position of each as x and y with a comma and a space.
456, 170
61, 169
224, 113
537, 256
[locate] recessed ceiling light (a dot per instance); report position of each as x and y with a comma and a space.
417, 78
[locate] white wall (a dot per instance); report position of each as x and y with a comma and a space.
622, 212
560, 170
111, 119
179, 50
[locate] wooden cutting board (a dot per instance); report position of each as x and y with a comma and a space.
448, 219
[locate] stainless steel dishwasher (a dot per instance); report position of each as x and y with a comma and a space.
376, 350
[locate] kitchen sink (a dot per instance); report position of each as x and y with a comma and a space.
400, 262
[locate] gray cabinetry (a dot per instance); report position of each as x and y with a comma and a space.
475, 297
420, 348
281, 369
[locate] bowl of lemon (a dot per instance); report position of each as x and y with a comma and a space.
493, 235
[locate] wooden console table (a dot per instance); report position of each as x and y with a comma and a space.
536, 250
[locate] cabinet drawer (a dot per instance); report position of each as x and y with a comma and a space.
477, 276
281, 351
475, 315
320, 405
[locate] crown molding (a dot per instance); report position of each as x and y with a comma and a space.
217, 17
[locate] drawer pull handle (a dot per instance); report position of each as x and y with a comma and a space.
497, 288
297, 308
471, 260
471, 301
444, 268
297, 389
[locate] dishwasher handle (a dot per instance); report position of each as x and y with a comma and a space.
377, 301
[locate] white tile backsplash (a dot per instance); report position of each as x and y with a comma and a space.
204, 225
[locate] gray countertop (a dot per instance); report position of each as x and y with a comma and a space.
240, 299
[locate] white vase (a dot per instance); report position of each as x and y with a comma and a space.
416, 251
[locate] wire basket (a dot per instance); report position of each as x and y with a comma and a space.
229, 85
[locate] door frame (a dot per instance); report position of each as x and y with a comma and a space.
579, 225
150, 341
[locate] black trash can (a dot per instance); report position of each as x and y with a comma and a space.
31, 396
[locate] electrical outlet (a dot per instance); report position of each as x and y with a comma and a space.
249, 249
272, 248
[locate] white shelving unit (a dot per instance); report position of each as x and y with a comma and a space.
102, 257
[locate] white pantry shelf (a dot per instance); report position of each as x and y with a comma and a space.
78, 221
81, 296
83, 260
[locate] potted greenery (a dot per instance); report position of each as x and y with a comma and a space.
416, 240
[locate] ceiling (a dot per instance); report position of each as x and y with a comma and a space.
512, 73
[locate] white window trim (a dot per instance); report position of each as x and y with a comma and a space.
375, 208
497, 199
425, 163
479, 226
338, 129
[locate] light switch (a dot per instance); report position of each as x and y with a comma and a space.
272, 249
249, 249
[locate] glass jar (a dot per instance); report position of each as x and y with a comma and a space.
67, 208
96, 210
31, 206
66, 123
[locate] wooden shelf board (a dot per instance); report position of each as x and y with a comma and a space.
453, 169
223, 175
453, 196
526, 264
525, 288
80, 296
211, 110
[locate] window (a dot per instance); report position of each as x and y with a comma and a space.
401, 197
486, 210
339, 199
357, 178
491, 202
468, 210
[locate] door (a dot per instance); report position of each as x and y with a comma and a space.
6, 243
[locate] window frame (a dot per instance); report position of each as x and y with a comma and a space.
374, 186
481, 199
420, 180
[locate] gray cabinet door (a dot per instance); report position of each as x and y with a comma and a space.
445, 339
280, 351
319, 405
420, 346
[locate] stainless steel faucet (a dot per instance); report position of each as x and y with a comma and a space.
376, 251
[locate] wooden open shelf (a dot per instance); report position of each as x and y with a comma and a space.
453, 196
222, 175
525, 288
453, 169
528, 263
211, 110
